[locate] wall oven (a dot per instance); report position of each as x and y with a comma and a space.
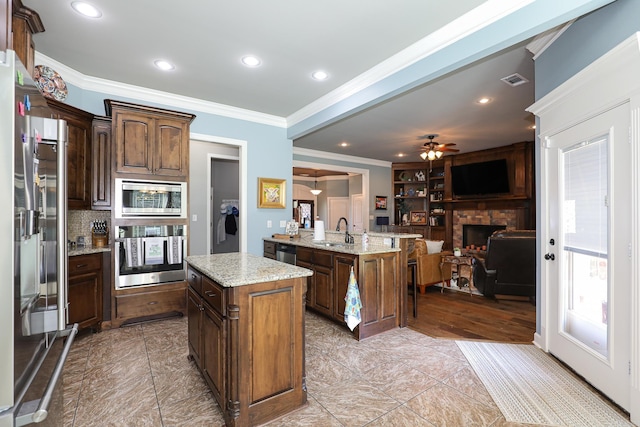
145, 198
147, 255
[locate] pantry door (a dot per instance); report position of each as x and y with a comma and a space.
587, 260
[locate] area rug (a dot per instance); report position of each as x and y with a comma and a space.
530, 387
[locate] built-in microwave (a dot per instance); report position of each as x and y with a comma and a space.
147, 198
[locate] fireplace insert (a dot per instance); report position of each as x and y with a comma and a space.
477, 234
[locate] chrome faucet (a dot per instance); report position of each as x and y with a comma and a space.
348, 238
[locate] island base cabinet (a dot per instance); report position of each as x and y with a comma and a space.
213, 351
380, 294
248, 343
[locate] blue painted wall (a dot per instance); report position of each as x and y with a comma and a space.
586, 40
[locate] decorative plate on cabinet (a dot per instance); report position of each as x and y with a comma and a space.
49, 83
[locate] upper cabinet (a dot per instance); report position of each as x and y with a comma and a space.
78, 153
25, 22
149, 140
101, 164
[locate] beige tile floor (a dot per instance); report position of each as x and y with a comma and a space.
140, 376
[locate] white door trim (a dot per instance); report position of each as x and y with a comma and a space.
242, 171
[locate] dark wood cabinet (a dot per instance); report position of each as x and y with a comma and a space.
433, 194
142, 303
149, 141
194, 317
101, 164
206, 331
85, 290
79, 125
248, 342
342, 264
377, 276
269, 250
213, 351
320, 285
25, 22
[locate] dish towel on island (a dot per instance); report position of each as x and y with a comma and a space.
354, 304
153, 250
133, 251
174, 249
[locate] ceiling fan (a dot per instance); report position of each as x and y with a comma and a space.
433, 150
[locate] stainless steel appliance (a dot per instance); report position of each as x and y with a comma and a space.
33, 275
145, 198
286, 253
148, 255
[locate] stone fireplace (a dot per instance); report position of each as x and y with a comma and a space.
507, 218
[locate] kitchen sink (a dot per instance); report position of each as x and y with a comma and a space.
329, 244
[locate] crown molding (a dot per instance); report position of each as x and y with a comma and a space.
542, 41
340, 157
110, 87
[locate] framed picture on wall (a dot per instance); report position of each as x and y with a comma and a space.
271, 193
418, 217
381, 202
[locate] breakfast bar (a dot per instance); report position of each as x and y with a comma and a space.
379, 268
246, 333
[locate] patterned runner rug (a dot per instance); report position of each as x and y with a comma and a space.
530, 387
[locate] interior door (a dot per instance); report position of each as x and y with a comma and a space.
587, 265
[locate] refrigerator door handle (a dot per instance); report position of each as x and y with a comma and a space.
42, 410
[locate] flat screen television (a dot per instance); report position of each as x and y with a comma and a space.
480, 179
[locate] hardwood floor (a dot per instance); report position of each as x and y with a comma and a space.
457, 315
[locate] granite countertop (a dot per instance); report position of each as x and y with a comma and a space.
239, 269
337, 245
88, 250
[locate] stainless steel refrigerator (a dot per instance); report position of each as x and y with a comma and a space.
34, 338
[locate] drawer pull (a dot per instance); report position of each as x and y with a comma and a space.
209, 294
81, 265
153, 303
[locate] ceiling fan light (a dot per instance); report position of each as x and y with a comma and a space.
423, 155
439, 154
431, 155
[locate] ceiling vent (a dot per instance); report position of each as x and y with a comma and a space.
514, 80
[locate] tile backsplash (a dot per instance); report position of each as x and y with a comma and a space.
79, 224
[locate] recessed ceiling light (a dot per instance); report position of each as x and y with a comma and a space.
484, 100
344, 144
251, 61
320, 75
164, 65
86, 9
400, 154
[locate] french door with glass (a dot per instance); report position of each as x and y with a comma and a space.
587, 262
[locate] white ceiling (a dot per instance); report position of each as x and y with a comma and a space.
206, 39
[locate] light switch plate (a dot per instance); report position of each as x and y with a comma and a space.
283, 223
269, 223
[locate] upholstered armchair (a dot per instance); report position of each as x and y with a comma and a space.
509, 267
427, 255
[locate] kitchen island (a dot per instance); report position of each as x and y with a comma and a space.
246, 333
379, 269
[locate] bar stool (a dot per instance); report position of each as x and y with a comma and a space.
413, 264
